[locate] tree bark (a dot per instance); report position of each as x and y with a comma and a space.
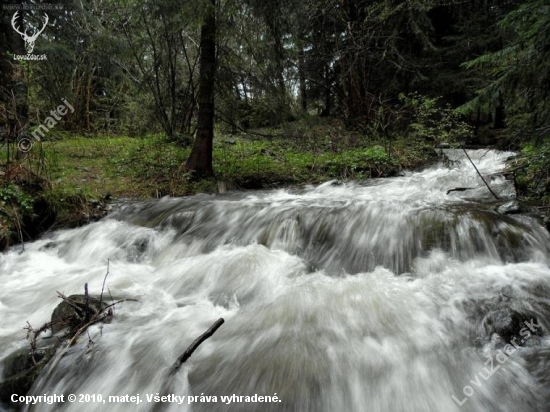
200, 159
327, 92
500, 116
302, 75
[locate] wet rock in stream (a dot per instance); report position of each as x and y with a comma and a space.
512, 326
21, 369
67, 316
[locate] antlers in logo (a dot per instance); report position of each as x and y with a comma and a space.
29, 40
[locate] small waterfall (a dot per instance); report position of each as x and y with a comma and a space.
384, 295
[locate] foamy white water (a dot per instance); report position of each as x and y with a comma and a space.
371, 296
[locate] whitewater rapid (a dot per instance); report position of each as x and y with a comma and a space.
362, 296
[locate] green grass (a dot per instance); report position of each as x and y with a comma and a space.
118, 166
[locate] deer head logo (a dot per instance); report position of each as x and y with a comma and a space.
29, 40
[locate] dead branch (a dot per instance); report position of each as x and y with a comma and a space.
70, 302
103, 286
196, 343
119, 301
86, 303
94, 320
33, 334
479, 174
459, 189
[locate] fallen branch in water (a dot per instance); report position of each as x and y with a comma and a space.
103, 286
32, 336
478, 172
166, 386
459, 189
196, 343
86, 326
71, 303
87, 303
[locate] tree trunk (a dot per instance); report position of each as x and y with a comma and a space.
500, 116
200, 159
302, 75
327, 93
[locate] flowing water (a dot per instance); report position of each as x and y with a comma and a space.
374, 296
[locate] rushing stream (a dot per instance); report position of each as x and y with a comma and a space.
380, 296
